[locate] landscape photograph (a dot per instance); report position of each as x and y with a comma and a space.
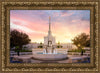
50, 36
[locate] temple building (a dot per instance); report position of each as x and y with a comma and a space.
49, 42
49, 38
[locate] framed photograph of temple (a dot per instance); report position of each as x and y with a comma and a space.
50, 36
54, 36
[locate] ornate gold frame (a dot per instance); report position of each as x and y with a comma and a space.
60, 5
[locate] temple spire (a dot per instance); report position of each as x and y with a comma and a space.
49, 32
49, 23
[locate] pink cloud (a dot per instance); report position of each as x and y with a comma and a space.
66, 14
38, 28
55, 14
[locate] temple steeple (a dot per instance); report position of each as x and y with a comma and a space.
49, 32
49, 39
49, 23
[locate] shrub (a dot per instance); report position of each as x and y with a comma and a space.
24, 50
77, 50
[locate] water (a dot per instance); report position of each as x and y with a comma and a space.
47, 53
50, 52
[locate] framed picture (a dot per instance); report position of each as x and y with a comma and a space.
49, 36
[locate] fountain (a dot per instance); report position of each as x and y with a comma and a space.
49, 51
50, 54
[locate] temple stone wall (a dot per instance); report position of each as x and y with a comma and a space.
46, 40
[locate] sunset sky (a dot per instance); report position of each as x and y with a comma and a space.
65, 24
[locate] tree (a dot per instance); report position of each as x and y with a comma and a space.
18, 39
82, 40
